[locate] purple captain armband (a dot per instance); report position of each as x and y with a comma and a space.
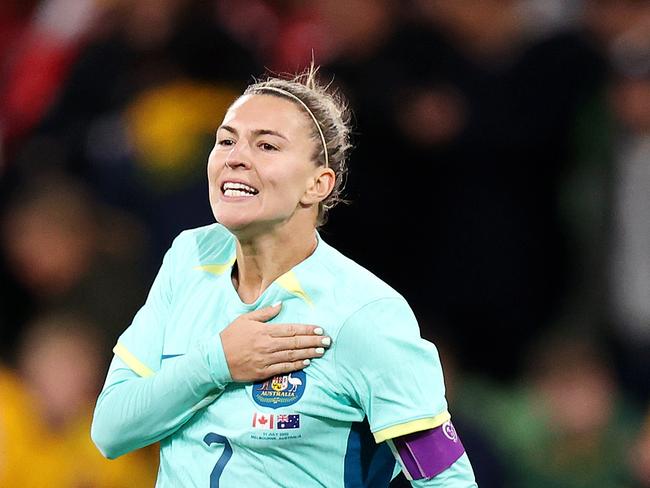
427, 453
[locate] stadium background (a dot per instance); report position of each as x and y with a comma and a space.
500, 181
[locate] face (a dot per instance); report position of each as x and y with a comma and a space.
260, 171
50, 365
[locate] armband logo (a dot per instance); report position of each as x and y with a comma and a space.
449, 431
280, 391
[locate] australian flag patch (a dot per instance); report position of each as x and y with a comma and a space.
291, 421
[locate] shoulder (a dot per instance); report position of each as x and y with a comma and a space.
355, 299
203, 245
11, 390
354, 286
14, 403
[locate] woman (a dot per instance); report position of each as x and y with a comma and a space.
228, 396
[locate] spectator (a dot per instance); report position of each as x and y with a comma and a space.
46, 409
67, 252
574, 424
629, 257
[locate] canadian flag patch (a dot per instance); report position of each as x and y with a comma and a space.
263, 421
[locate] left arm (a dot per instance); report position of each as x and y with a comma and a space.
396, 377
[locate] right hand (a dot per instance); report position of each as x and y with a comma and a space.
256, 351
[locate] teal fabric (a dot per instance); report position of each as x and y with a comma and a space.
215, 432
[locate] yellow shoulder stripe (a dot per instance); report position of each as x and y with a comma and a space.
289, 281
131, 361
217, 269
410, 427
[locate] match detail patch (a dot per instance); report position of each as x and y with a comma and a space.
427, 453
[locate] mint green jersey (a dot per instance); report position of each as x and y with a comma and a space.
323, 426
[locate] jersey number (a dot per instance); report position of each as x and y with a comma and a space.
213, 438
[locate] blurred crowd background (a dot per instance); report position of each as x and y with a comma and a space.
500, 182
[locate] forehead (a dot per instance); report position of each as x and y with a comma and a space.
252, 112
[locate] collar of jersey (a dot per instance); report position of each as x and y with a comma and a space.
289, 281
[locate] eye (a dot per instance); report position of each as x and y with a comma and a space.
265, 146
225, 142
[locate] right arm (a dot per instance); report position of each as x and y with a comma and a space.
138, 406
134, 411
143, 400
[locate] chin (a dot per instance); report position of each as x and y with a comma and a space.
246, 223
236, 222
231, 218
233, 224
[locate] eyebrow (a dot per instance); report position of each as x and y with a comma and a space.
256, 132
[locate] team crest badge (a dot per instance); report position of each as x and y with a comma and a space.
280, 391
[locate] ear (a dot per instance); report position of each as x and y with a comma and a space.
319, 186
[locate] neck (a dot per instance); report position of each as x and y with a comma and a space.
264, 258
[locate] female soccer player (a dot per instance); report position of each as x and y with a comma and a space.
238, 402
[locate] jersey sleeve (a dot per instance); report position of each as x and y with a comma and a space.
140, 345
390, 371
143, 401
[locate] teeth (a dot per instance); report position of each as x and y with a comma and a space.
239, 188
237, 193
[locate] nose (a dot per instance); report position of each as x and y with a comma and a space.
236, 163
237, 157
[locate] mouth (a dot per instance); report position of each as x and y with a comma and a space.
238, 189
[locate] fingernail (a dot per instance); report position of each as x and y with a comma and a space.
318, 331
320, 350
326, 341
276, 304
306, 362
